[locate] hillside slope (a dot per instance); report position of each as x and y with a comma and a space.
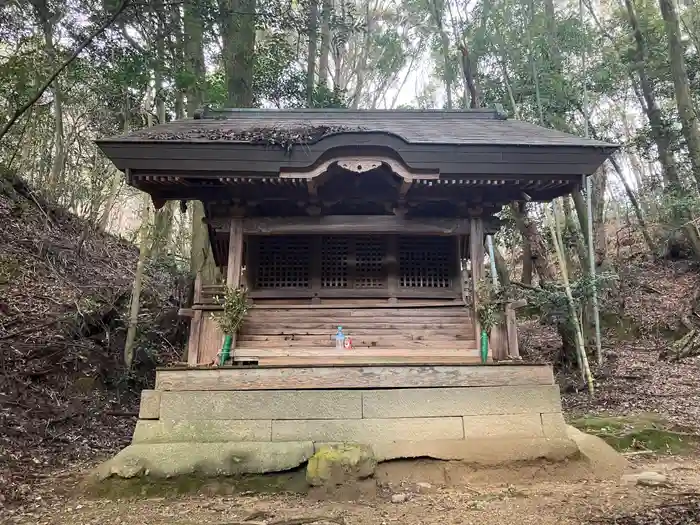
64, 291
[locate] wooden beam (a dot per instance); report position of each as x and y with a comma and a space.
415, 375
235, 262
235, 253
195, 325
348, 293
356, 224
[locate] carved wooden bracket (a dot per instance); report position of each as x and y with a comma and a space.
360, 164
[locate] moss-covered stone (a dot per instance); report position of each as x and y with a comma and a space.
171, 460
336, 464
639, 432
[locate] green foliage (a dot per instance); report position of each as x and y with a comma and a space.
551, 301
491, 304
677, 204
235, 307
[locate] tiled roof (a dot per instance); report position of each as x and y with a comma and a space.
467, 127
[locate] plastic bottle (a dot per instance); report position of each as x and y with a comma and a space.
339, 338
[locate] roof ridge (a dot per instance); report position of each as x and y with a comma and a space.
208, 113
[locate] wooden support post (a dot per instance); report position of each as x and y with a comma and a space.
195, 324
235, 262
512, 327
316, 269
476, 255
392, 263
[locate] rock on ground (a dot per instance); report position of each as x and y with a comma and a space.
339, 463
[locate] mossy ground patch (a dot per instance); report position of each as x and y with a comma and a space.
640, 432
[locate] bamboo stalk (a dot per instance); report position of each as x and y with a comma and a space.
581, 350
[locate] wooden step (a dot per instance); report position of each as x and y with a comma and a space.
328, 335
466, 359
240, 353
371, 340
360, 313
303, 324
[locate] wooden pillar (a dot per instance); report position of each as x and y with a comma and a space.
195, 324
392, 265
234, 264
476, 255
316, 268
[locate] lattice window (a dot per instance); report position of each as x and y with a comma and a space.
283, 262
425, 262
370, 270
335, 252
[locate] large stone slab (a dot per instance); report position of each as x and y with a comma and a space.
604, 461
492, 451
361, 376
434, 402
501, 426
202, 431
554, 425
368, 430
268, 404
150, 404
168, 460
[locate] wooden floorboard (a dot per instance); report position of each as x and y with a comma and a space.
347, 376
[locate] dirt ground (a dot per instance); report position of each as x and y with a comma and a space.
425, 493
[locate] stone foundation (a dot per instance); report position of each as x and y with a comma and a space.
230, 432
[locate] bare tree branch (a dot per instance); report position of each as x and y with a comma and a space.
104, 25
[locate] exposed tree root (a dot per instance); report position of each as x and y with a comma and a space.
686, 346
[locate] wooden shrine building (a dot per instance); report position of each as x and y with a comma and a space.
370, 220
332, 212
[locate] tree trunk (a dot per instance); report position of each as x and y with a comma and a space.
134, 307
237, 21
163, 218
635, 205
194, 55
313, 50
575, 227
116, 184
686, 111
599, 183
527, 264
201, 256
361, 65
117, 176
59, 154
659, 129
538, 248
177, 55
501, 267
327, 8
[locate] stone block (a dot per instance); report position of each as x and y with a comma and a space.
201, 431
262, 404
340, 463
368, 430
491, 451
150, 404
503, 426
168, 460
446, 402
553, 424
